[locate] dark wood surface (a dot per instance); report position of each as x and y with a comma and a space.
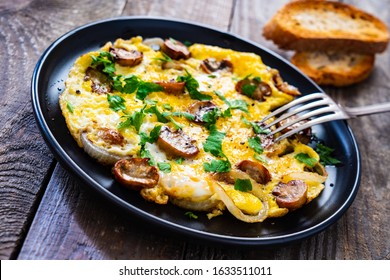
45, 213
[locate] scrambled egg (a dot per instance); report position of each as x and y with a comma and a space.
110, 117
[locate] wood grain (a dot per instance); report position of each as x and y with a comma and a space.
70, 221
27, 28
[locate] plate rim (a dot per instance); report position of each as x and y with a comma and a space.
67, 162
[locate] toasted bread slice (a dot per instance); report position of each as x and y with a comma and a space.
325, 25
334, 68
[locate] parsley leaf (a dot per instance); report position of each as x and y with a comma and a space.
70, 107
243, 185
306, 159
160, 116
186, 115
233, 104
144, 88
134, 119
255, 144
260, 158
154, 134
256, 127
325, 155
248, 89
164, 167
106, 59
144, 153
217, 166
126, 84
213, 142
179, 160
191, 84
116, 102
211, 116
191, 215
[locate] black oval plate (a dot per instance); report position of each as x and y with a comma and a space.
48, 82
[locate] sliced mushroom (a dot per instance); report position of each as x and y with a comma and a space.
127, 58
283, 86
111, 136
175, 49
255, 170
303, 136
200, 108
254, 88
224, 177
136, 173
292, 195
101, 84
172, 86
210, 65
176, 143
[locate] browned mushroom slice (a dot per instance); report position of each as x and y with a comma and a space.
224, 177
172, 87
210, 65
136, 173
255, 170
111, 136
176, 143
175, 49
283, 86
254, 88
101, 84
200, 108
303, 136
127, 58
292, 195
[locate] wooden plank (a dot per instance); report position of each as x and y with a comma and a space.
27, 28
361, 233
63, 227
214, 13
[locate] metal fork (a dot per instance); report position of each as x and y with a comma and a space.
323, 109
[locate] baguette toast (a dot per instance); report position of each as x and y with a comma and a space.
334, 68
326, 26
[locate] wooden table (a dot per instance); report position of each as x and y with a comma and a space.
47, 214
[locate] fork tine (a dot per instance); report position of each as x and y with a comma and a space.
319, 120
332, 108
293, 103
298, 110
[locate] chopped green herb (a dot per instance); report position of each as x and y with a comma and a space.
306, 159
160, 116
144, 153
255, 144
187, 43
233, 104
144, 88
175, 123
179, 160
256, 128
260, 158
213, 142
248, 89
325, 155
116, 102
165, 58
227, 113
186, 115
70, 107
192, 85
211, 116
164, 167
134, 119
154, 134
243, 185
212, 76
168, 107
107, 60
191, 215
217, 166
257, 79
127, 84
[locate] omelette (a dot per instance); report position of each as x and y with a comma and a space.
181, 124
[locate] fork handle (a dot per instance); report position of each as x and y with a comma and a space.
368, 110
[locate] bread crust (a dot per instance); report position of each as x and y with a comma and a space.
334, 69
324, 25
